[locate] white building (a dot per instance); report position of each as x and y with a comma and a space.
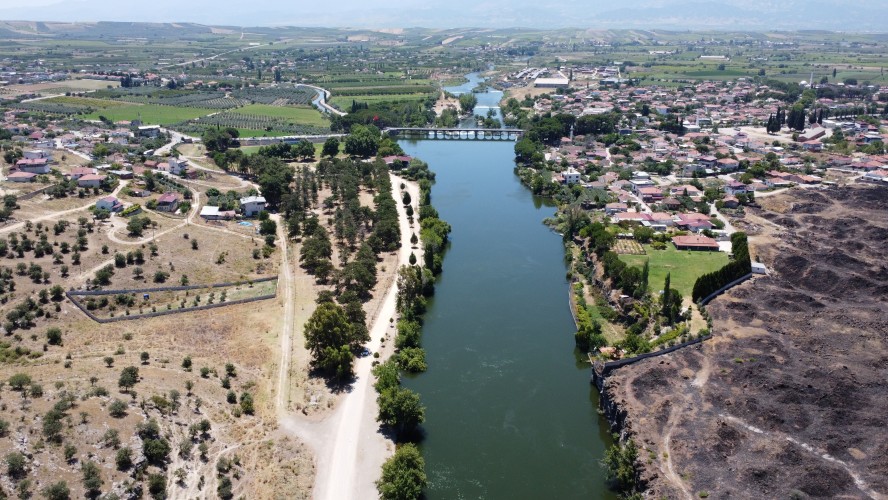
252, 205
570, 176
176, 166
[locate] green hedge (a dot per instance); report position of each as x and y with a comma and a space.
739, 267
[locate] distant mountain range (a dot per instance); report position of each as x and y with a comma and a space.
841, 15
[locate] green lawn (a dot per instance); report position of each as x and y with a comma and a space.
685, 266
249, 150
303, 115
151, 114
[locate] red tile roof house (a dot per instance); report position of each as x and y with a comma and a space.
91, 180
650, 194
168, 202
663, 218
80, 172
21, 177
613, 208
694, 242
731, 202
671, 204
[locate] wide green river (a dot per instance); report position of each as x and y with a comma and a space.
510, 412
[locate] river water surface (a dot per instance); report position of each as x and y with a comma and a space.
510, 412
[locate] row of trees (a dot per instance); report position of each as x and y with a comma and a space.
403, 476
740, 266
336, 332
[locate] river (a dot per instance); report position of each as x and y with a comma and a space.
510, 412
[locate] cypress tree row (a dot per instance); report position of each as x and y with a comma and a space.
740, 266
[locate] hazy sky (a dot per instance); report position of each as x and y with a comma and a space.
851, 15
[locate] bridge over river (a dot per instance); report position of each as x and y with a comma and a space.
495, 134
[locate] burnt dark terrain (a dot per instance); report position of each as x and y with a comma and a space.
790, 398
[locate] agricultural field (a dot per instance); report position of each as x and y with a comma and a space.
376, 87
685, 266
198, 99
268, 121
628, 247
279, 95
152, 114
303, 115
57, 88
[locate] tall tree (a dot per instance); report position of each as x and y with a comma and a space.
401, 409
403, 475
666, 295
363, 141
331, 147
329, 336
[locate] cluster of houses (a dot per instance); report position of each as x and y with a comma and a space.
712, 113
38, 160
714, 149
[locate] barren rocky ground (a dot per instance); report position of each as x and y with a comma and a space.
788, 400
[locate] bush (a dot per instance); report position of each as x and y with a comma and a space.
124, 458
92, 479
117, 409
19, 381
54, 336
246, 403
157, 486
619, 463
412, 360
57, 491
156, 451
16, 464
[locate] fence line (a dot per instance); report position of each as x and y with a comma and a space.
168, 311
724, 288
606, 367
166, 288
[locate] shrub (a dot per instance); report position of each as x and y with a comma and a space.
157, 486
19, 381
54, 336
117, 409
246, 403
57, 491
124, 458
16, 464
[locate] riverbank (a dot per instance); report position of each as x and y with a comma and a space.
444, 102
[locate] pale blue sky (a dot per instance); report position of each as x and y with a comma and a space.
851, 15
